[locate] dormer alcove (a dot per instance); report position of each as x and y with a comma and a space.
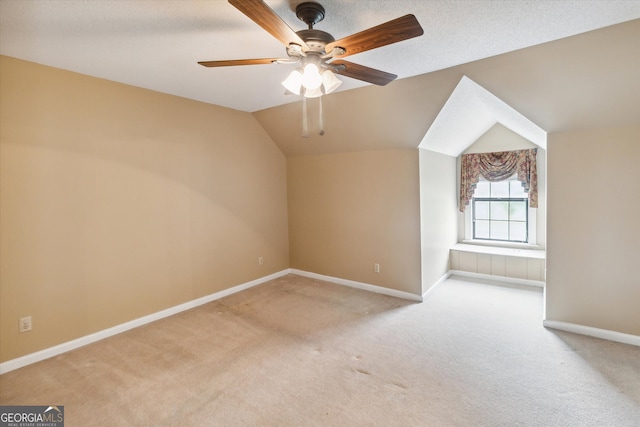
473, 120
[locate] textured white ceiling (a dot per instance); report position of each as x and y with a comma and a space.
156, 44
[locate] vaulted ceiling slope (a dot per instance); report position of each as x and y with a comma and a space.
156, 44
577, 83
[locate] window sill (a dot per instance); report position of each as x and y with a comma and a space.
523, 251
501, 244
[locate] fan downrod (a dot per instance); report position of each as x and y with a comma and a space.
310, 13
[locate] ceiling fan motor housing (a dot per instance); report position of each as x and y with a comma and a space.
310, 13
316, 40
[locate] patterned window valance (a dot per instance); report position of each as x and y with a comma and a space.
498, 167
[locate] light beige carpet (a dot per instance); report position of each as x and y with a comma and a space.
301, 352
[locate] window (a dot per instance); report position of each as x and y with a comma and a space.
499, 197
500, 211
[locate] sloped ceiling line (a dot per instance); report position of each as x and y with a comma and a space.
156, 44
470, 111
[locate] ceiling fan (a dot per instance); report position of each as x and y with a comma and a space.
317, 51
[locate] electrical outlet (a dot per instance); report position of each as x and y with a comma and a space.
376, 268
260, 260
25, 324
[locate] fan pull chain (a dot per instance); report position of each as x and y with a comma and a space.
321, 118
305, 126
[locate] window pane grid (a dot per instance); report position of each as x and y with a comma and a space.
501, 211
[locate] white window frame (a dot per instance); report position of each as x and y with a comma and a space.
468, 230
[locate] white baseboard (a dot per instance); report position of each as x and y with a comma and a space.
359, 285
502, 279
19, 362
604, 334
435, 285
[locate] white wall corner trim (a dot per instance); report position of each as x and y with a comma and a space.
502, 279
435, 285
604, 334
359, 285
47, 353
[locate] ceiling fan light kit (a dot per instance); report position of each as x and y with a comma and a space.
318, 51
310, 82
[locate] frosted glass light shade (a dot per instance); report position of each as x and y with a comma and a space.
313, 93
311, 78
330, 81
293, 83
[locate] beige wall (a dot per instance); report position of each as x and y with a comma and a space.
117, 202
438, 207
499, 138
349, 211
594, 234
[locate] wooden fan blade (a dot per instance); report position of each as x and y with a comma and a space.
232, 62
263, 15
366, 74
403, 28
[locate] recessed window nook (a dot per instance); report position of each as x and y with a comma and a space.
474, 122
